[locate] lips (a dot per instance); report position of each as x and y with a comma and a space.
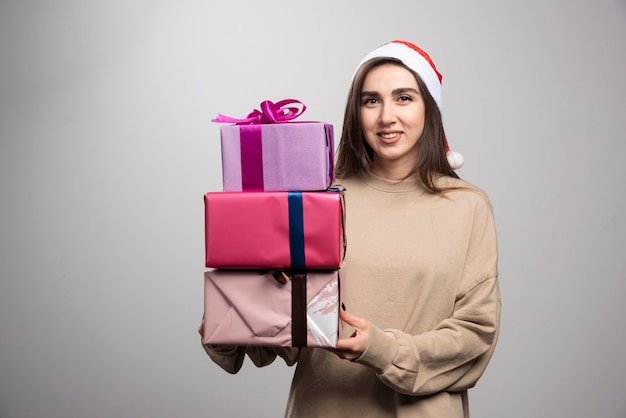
389, 137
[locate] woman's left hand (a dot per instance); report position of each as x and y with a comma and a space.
351, 348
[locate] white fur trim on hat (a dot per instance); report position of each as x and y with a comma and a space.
419, 61
455, 159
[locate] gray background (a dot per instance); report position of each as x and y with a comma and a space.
107, 148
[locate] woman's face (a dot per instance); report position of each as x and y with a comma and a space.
392, 118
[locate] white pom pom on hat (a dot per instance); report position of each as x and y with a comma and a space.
418, 60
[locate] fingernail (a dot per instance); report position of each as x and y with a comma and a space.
343, 306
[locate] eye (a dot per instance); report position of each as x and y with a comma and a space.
405, 98
369, 101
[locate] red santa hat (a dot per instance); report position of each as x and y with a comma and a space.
418, 60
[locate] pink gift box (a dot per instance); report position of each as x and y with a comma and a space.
274, 229
250, 308
294, 156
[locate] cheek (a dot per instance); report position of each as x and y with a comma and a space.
420, 126
369, 139
418, 122
366, 120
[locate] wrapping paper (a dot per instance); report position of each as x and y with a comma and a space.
296, 156
252, 308
297, 230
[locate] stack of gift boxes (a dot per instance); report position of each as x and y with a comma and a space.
275, 237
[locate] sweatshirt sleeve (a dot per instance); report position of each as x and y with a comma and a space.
231, 360
453, 355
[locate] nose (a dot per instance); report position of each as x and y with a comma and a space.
387, 114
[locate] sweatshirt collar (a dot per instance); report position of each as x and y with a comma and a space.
411, 184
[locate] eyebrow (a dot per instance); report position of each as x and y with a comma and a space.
395, 92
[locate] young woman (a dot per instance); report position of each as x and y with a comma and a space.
422, 297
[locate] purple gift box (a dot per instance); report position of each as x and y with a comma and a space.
293, 156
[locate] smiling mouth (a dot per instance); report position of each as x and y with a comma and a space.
389, 137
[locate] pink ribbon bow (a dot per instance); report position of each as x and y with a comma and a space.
280, 112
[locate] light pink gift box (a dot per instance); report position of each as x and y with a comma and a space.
255, 230
294, 156
250, 308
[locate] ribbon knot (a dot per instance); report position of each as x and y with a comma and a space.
279, 275
270, 112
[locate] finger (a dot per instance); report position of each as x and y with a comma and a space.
345, 316
201, 328
352, 320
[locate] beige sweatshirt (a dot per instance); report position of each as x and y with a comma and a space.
423, 270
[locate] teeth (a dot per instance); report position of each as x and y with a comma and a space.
389, 135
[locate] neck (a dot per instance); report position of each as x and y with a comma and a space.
391, 171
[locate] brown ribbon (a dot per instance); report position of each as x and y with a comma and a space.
298, 310
298, 304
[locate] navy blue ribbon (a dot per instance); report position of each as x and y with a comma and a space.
296, 230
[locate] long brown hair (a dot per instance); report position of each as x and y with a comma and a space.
355, 156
